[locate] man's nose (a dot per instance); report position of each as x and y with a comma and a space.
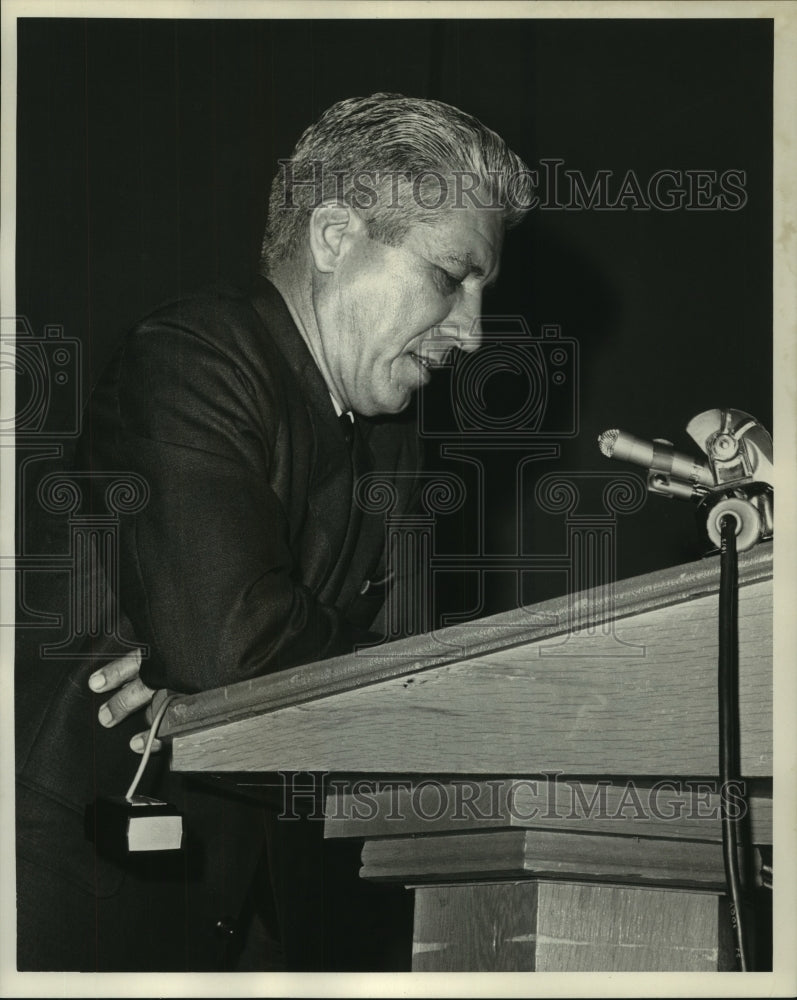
466, 320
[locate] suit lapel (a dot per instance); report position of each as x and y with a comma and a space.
353, 546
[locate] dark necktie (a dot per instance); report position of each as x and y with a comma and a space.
347, 427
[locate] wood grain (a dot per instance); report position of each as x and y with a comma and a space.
509, 854
475, 928
522, 709
567, 927
686, 810
584, 928
547, 620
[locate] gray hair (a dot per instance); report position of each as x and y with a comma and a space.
387, 152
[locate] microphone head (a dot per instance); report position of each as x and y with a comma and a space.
607, 441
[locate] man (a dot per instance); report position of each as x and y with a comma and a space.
250, 553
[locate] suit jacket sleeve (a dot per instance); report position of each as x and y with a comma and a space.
207, 570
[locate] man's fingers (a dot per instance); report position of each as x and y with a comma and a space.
139, 741
118, 672
128, 699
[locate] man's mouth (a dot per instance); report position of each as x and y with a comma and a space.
425, 363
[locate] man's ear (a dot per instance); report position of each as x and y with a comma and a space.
332, 227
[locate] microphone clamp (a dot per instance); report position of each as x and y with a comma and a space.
736, 477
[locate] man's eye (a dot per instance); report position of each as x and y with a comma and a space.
450, 282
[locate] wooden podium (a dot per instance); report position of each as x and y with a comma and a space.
544, 780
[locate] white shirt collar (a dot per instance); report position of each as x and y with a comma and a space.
338, 409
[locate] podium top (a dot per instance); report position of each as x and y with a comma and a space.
522, 626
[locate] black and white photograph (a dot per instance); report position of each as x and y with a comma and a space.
393, 402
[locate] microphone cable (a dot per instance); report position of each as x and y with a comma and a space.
729, 766
153, 730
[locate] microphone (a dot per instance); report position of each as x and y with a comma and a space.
659, 456
735, 480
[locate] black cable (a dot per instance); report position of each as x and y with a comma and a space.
728, 680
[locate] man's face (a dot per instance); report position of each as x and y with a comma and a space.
390, 313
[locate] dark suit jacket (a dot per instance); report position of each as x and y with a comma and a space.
249, 555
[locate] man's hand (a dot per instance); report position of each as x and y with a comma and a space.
122, 676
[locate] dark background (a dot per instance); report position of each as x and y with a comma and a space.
146, 150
